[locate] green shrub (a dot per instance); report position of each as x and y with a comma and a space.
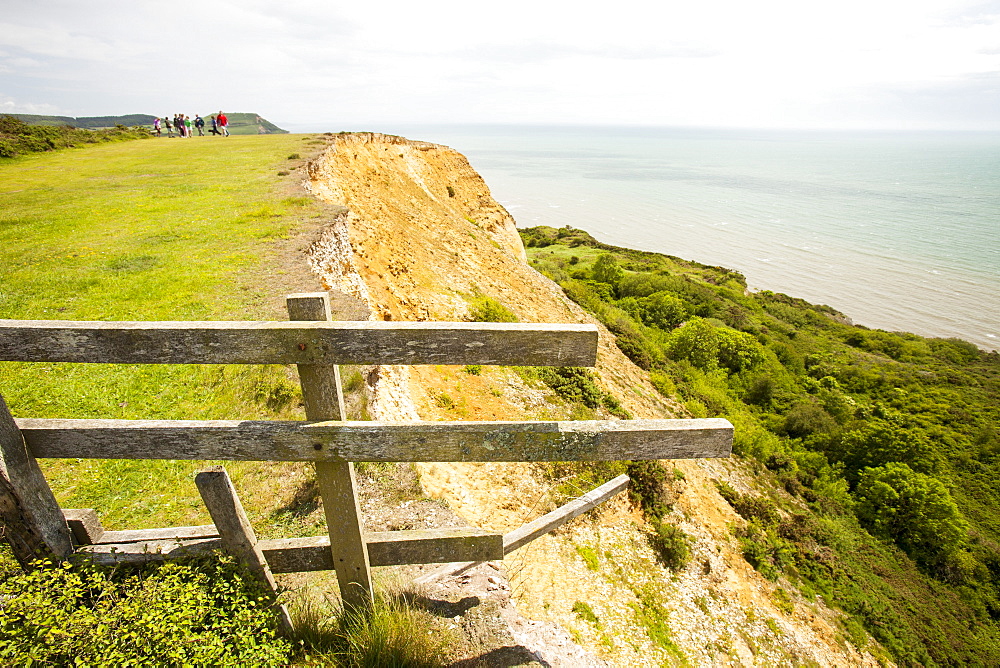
444, 400
487, 309
607, 270
633, 344
663, 383
695, 342
783, 601
648, 486
708, 347
612, 405
914, 510
589, 557
806, 419
662, 310
761, 391
572, 383
672, 545
878, 442
738, 350
765, 550
196, 612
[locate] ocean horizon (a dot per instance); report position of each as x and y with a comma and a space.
897, 230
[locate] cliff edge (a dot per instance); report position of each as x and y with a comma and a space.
417, 236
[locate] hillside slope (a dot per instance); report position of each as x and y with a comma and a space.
420, 238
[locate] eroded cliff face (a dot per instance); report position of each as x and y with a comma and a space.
418, 237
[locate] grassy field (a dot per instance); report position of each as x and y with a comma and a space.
155, 230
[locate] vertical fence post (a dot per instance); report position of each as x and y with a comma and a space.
33, 524
237, 534
324, 400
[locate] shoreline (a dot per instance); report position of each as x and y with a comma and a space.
850, 317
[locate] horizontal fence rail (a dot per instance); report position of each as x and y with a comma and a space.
591, 440
36, 527
298, 342
296, 555
546, 523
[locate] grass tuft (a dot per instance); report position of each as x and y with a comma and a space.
389, 633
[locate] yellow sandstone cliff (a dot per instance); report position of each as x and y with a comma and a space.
419, 238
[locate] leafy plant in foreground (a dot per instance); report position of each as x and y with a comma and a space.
199, 612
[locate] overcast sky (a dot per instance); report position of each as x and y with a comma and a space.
331, 65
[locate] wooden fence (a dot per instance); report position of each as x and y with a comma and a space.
36, 526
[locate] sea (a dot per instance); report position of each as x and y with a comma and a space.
899, 231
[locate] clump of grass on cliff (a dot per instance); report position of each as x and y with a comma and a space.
487, 309
392, 632
18, 138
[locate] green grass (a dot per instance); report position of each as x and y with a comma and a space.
392, 632
151, 230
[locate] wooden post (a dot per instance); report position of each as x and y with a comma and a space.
237, 534
33, 524
324, 400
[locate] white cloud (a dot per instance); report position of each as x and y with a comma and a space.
775, 62
12, 106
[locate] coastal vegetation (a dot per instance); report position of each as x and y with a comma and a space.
877, 452
18, 137
91, 122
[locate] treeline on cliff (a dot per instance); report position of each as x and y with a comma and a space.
18, 137
877, 452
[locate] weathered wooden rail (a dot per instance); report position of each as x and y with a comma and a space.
591, 440
36, 526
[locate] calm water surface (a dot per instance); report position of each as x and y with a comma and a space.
898, 231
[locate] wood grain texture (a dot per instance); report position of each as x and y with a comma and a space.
387, 548
523, 535
84, 524
231, 520
310, 342
168, 533
294, 555
111, 554
237, 534
33, 523
88, 530
324, 400
592, 440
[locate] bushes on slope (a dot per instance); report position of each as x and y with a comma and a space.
17, 137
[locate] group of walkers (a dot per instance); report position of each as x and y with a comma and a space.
186, 126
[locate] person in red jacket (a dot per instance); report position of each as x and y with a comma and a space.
223, 123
